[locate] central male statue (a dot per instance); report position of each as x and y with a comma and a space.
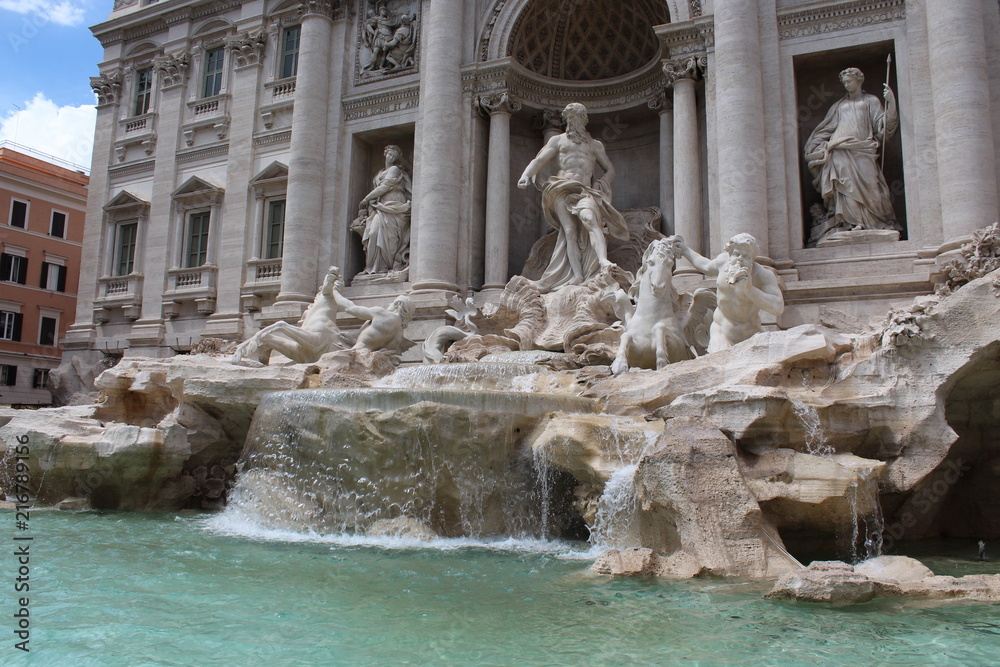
574, 203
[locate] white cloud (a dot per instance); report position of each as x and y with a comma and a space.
63, 12
64, 132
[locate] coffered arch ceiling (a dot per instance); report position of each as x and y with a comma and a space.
587, 40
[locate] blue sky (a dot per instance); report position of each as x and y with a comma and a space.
47, 55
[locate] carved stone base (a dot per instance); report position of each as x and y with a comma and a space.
858, 236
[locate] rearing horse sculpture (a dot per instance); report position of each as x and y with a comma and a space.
659, 332
315, 334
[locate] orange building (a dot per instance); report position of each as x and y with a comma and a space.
42, 210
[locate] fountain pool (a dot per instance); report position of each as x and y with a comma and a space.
114, 588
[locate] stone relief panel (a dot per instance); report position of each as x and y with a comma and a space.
850, 158
388, 36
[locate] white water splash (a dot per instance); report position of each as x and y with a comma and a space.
616, 525
816, 443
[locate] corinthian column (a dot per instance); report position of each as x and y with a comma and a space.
665, 109
306, 168
499, 108
739, 104
960, 85
681, 75
434, 264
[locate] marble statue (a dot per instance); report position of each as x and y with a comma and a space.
383, 220
383, 328
658, 331
744, 289
304, 343
842, 154
439, 340
390, 39
576, 204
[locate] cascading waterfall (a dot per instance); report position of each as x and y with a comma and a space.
337, 461
617, 523
868, 521
815, 441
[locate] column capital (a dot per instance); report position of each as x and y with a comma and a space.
107, 86
331, 9
549, 120
173, 69
502, 102
689, 67
247, 48
660, 102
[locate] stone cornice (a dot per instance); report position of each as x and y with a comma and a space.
678, 40
398, 99
155, 18
823, 18
505, 75
132, 169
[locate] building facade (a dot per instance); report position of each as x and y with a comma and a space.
43, 207
236, 140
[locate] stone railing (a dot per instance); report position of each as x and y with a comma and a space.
264, 271
201, 278
210, 107
282, 88
120, 288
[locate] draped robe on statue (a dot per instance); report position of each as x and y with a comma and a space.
842, 154
387, 232
564, 193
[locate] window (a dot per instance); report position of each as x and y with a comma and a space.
58, 225
13, 268
40, 378
47, 331
10, 325
143, 91
290, 51
8, 375
275, 230
125, 248
197, 239
53, 277
213, 71
18, 213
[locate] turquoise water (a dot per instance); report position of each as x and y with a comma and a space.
132, 589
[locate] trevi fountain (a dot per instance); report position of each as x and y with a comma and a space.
640, 448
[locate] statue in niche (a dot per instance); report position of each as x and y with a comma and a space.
390, 39
658, 331
842, 154
574, 203
383, 220
744, 289
304, 343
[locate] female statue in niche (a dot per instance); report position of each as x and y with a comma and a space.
843, 155
384, 218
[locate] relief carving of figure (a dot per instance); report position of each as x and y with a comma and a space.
658, 331
744, 289
842, 154
390, 39
384, 218
576, 204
